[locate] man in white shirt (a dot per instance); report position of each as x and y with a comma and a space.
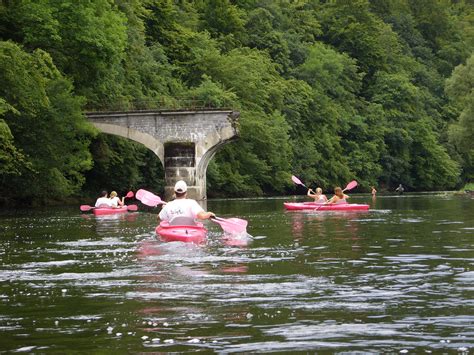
182, 206
103, 200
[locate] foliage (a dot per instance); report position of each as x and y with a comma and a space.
122, 165
468, 187
12, 160
460, 88
85, 39
327, 90
47, 124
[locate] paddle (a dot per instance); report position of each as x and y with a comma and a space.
297, 181
349, 186
85, 208
148, 198
231, 225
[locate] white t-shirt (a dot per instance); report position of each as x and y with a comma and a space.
104, 201
183, 207
114, 201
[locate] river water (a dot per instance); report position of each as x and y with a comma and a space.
398, 278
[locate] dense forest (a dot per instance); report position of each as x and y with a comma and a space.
329, 90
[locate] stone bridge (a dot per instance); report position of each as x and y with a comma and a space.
184, 140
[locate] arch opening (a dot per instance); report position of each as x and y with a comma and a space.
122, 164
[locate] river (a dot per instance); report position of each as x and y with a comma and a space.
398, 278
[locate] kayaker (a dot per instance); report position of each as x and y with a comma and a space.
115, 200
339, 196
182, 206
103, 200
318, 196
400, 189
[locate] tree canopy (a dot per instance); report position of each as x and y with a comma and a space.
374, 90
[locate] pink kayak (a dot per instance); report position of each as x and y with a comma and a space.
297, 206
190, 234
101, 211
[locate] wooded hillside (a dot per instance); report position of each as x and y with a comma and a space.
380, 91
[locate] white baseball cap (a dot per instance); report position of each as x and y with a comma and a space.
180, 186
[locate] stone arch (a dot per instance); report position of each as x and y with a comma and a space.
208, 155
170, 134
147, 140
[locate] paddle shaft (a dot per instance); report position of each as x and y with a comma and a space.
86, 208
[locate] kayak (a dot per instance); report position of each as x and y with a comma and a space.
102, 211
189, 234
298, 206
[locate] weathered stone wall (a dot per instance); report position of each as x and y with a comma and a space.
184, 141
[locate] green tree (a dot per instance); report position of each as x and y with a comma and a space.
414, 155
85, 39
123, 165
47, 125
459, 87
334, 82
223, 20
12, 160
352, 28
148, 79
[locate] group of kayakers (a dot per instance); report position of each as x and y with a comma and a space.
181, 206
109, 201
186, 208
339, 196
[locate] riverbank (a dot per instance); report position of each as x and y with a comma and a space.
469, 187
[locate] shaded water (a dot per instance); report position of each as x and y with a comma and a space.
399, 278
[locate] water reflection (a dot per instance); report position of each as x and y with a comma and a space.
241, 240
340, 225
110, 224
186, 274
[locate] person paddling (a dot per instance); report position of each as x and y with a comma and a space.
318, 196
339, 196
400, 189
103, 200
115, 200
374, 191
182, 207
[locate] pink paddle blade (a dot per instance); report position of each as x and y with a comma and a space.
236, 221
351, 185
132, 207
148, 198
140, 193
232, 225
129, 194
85, 208
296, 180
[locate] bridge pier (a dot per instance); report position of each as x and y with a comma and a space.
184, 141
